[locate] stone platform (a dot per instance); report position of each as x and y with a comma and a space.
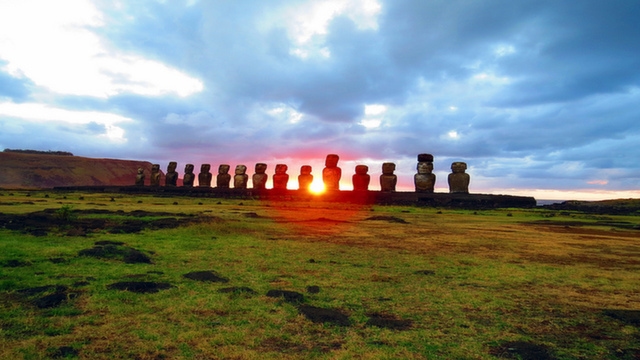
463, 201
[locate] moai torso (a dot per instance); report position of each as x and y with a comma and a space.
155, 175
425, 180
204, 178
140, 177
223, 179
305, 179
171, 178
331, 174
361, 179
189, 177
281, 178
388, 179
240, 178
259, 179
458, 179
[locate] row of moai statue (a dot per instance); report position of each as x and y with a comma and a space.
424, 180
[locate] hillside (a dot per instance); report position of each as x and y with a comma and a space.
23, 170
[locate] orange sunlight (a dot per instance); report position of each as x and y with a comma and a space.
317, 187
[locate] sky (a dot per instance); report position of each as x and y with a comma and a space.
539, 98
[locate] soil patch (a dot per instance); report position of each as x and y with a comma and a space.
522, 350
388, 322
321, 315
289, 296
631, 317
209, 276
237, 290
115, 250
140, 287
391, 219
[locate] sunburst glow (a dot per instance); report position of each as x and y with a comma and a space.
317, 187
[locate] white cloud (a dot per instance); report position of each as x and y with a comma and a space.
53, 45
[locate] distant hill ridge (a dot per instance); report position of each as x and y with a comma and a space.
48, 169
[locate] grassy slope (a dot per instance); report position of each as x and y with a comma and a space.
495, 278
46, 171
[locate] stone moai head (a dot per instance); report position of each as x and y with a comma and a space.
188, 169
261, 168
305, 170
205, 168
331, 161
362, 169
140, 171
425, 167
458, 167
223, 169
241, 169
388, 168
155, 168
281, 169
425, 158
172, 167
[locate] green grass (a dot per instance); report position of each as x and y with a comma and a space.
495, 278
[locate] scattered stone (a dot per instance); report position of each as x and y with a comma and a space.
115, 250
312, 261
63, 352
251, 215
631, 317
108, 242
208, 276
50, 301
139, 286
392, 219
40, 289
237, 290
80, 283
388, 322
13, 263
522, 350
136, 257
289, 296
425, 272
313, 289
321, 315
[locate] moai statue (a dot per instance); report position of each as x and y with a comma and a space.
223, 179
204, 178
171, 177
458, 179
425, 179
241, 177
155, 175
189, 177
281, 178
331, 174
388, 179
140, 177
305, 179
361, 179
260, 177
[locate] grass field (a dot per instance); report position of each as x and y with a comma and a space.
102, 276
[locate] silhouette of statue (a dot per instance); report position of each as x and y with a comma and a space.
155, 175
305, 179
458, 179
140, 177
260, 178
204, 178
425, 180
171, 177
281, 178
361, 179
223, 179
240, 179
388, 179
189, 177
331, 173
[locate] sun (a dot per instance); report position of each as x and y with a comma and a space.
316, 187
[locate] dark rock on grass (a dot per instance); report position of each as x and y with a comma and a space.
109, 242
208, 276
251, 215
388, 322
13, 263
136, 257
140, 287
321, 315
128, 227
631, 317
63, 352
313, 289
237, 290
80, 283
41, 289
392, 219
58, 260
522, 350
114, 250
425, 272
289, 296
